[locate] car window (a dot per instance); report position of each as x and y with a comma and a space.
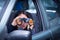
31, 7
51, 7
2, 2
3, 6
27, 6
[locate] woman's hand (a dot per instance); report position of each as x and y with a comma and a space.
14, 23
31, 27
31, 24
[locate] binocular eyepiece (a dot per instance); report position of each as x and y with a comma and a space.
25, 19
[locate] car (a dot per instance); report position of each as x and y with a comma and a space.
44, 12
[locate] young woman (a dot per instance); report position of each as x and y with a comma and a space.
23, 21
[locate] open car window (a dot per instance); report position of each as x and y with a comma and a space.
28, 6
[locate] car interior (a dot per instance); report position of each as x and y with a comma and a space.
39, 32
53, 15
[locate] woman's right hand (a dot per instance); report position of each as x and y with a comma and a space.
14, 23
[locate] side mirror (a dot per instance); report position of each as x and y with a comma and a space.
19, 35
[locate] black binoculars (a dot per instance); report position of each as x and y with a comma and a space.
25, 19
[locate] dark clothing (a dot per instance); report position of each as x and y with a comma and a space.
12, 28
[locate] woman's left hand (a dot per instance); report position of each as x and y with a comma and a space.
31, 27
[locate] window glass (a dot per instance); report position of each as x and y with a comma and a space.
2, 2
51, 7
2, 7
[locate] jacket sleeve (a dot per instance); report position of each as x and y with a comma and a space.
11, 28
